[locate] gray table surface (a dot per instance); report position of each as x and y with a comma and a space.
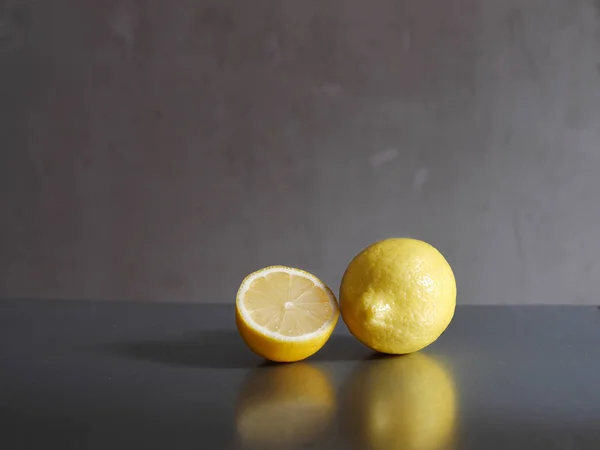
85, 375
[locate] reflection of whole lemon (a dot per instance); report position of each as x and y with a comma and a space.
284, 405
401, 402
398, 295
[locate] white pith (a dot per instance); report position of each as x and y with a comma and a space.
290, 271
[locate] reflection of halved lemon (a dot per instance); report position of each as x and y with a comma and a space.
284, 405
406, 402
285, 314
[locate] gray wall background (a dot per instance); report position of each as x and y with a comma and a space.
161, 150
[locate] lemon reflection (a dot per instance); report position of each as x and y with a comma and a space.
402, 402
284, 405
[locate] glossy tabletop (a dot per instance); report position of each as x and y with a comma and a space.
85, 375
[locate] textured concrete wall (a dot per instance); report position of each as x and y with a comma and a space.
161, 150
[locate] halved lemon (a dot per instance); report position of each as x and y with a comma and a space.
285, 314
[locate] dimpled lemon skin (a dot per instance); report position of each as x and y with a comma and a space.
398, 296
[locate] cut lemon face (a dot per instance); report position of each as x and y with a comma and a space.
285, 314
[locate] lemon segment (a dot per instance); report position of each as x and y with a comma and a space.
285, 314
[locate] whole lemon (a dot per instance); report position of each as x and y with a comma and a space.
398, 295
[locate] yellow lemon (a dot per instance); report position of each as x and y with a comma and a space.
285, 314
406, 402
284, 405
398, 295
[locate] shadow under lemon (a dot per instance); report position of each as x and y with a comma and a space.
283, 405
404, 402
